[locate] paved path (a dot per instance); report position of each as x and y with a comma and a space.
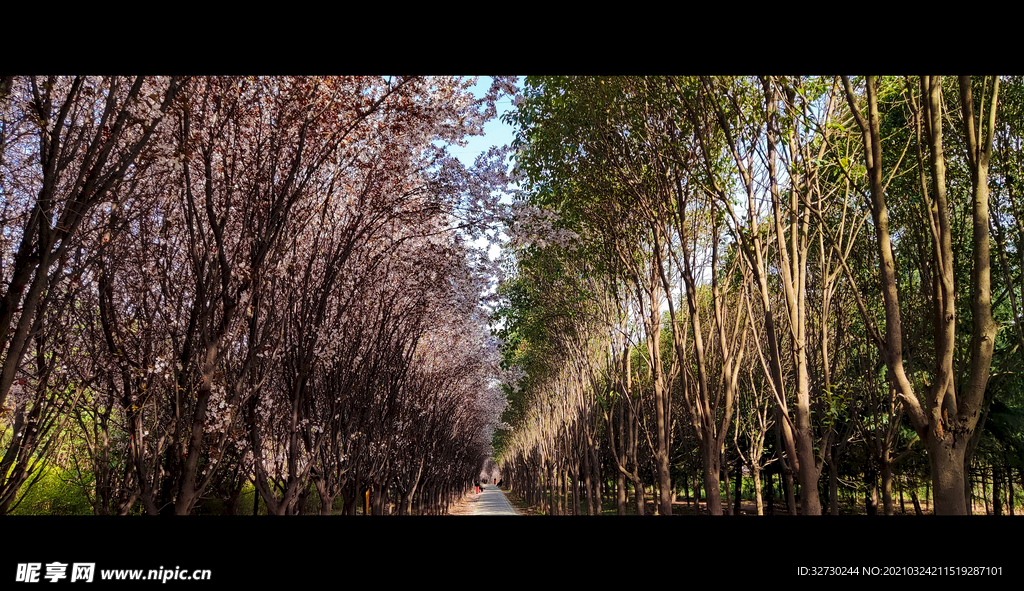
492, 501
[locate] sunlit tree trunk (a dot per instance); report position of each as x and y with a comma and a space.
947, 419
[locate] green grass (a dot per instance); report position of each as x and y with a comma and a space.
56, 493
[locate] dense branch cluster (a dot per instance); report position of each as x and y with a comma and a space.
211, 283
740, 277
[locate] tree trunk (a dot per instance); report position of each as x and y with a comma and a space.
871, 489
948, 479
739, 489
576, 488
783, 442
327, 504
712, 474
552, 488
620, 451
406, 506
833, 483
564, 493
899, 485
686, 491
1009, 485
787, 484
887, 482
696, 487
586, 481
756, 475
997, 489
916, 501
723, 477
620, 493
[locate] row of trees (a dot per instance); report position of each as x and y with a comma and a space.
215, 282
703, 261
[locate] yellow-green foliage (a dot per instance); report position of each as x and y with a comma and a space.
55, 493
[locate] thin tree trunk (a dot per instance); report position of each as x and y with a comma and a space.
586, 481
724, 477
620, 493
756, 475
887, 482
916, 501
833, 483
739, 489
997, 489
871, 489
